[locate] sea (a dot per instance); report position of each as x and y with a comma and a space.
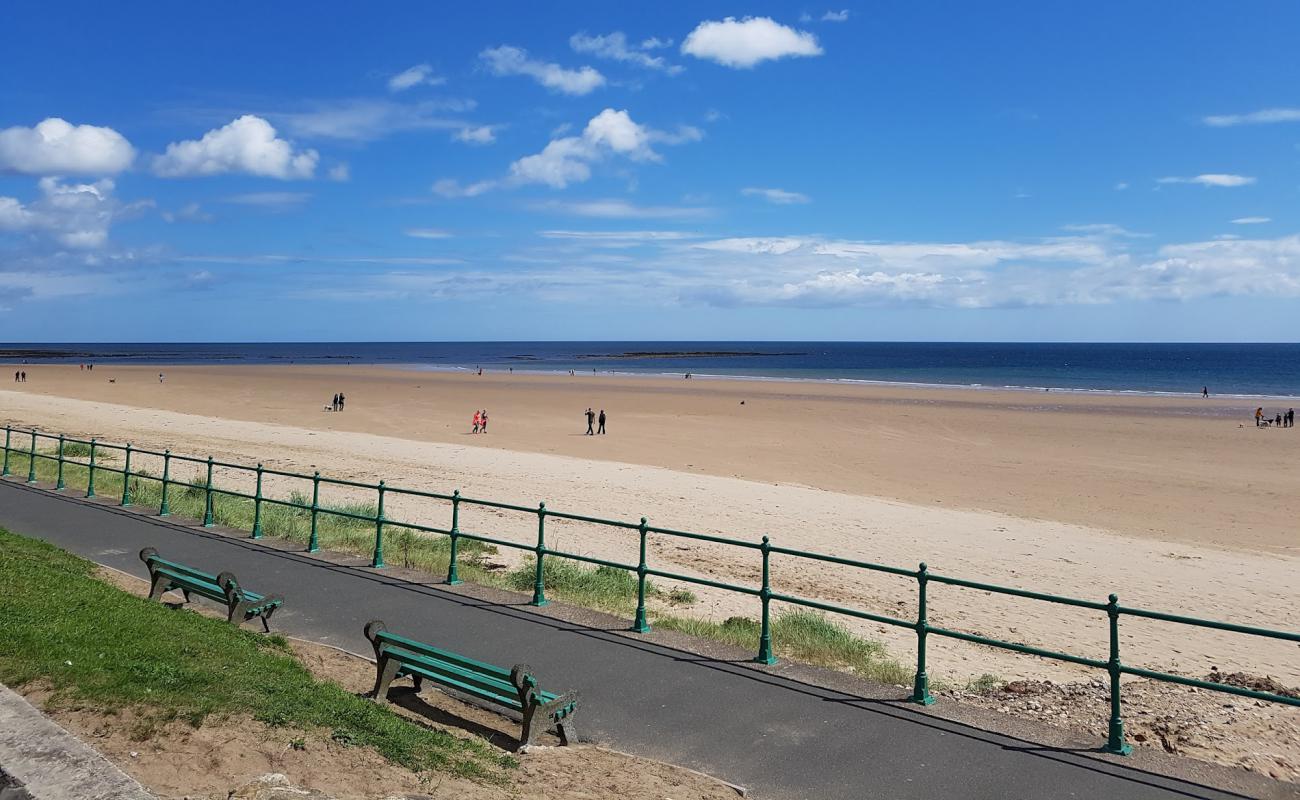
1242, 370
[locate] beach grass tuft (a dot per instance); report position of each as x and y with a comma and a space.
97, 646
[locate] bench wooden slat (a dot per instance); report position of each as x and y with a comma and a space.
440, 671
444, 655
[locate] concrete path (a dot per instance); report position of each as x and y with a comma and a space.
767, 729
52, 764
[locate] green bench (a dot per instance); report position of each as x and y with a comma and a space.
241, 604
516, 688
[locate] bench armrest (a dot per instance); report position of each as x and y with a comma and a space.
372, 630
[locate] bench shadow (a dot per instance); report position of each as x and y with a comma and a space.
407, 698
1091, 759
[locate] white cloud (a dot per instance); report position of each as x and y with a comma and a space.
479, 134
1211, 179
1263, 117
655, 43
272, 201
55, 146
507, 60
1251, 220
744, 43
448, 187
1103, 229
427, 233
615, 46
621, 209
367, 119
618, 239
74, 215
249, 144
340, 172
777, 196
419, 75
1121, 186
568, 159
836, 16
190, 212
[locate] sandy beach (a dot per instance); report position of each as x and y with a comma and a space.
1179, 505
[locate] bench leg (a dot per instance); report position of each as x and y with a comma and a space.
385, 671
237, 612
186, 592
530, 728
159, 587
568, 733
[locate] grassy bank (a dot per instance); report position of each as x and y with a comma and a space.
99, 647
800, 635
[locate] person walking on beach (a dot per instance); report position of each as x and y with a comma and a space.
1259, 417
483, 422
342, 400
334, 404
1277, 421
477, 422
1205, 391
160, 377
601, 430
591, 419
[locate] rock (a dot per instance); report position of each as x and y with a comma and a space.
274, 786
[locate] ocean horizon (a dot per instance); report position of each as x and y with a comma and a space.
1244, 370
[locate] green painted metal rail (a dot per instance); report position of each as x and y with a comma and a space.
1114, 667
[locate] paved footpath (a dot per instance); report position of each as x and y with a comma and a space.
779, 736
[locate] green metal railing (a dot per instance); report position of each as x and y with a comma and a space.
1112, 664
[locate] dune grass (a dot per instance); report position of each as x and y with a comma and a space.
102, 648
604, 588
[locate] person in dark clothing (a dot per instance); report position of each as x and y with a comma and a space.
1290, 417
335, 404
1277, 420
342, 400
601, 430
1205, 391
591, 419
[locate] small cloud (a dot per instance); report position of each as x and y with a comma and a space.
1251, 220
427, 233
271, 201
248, 144
419, 75
55, 146
507, 60
621, 209
714, 115
450, 187
836, 16
191, 212
1266, 116
471, 134
777, 196
742, 44
655, 43
1121, 186
1106, 229
1210, 179
615, 46
340, 173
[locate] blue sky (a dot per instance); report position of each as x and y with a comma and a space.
293, 171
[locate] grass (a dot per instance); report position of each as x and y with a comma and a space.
99, 647
604, 588
799, 635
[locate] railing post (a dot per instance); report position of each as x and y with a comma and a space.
639, 623
165, 510
313, 543
207, 498
4, 471
452, 577
126, 477
378, 561
31, 461
257, 505
90, 471
1115, 740
921, 686
59, 485
765, 654
539, 586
